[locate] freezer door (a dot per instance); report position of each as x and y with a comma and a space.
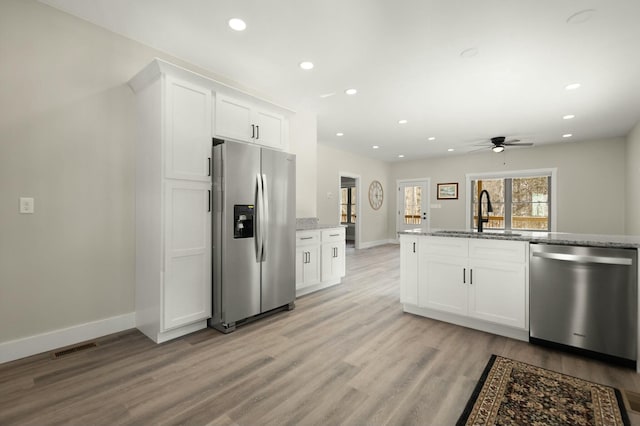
240, 286
278, 266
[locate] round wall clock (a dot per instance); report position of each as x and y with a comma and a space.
375, 195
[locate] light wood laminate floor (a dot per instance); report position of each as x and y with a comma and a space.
345, 355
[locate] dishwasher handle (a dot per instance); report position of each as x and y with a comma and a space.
578, 258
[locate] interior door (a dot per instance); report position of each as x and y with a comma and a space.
413, 205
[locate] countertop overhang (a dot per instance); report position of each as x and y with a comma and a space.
558, 238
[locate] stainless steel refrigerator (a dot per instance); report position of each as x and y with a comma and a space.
253, 215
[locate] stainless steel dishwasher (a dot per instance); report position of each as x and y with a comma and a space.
586, 298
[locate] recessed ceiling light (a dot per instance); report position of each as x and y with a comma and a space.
451, 150
568, 117
402, 121
339, 134
432, 138
567, 135
469, 53
351, 91
237, 24
400, 156
326, 95
572, 86
581, 17
375, 147
306, 65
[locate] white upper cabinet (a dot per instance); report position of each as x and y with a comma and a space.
269, 128
188, 130
246, 121
233, 119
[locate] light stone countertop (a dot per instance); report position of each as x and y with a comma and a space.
558, 238
317, 226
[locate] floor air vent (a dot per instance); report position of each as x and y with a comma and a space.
73, 349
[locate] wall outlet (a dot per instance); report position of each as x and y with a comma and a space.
26, 205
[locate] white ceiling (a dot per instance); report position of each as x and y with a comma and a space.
404, 58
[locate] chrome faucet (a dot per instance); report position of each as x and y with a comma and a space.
481, 220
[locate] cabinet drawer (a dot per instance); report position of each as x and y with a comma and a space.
446, 246
331, 235
307, 237
507, 251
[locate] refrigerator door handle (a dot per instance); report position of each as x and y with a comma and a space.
260, 218
265, 216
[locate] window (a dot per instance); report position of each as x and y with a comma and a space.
412, 205
519, 202
348, 205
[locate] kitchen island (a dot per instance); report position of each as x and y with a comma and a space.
481, 280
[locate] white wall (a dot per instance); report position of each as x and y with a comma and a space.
303, 143
633, 182
67, 129
332, 162
590, 181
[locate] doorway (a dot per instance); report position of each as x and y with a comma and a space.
413, 205
350, 208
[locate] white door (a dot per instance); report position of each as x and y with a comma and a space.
409, 269
233, 119
268, 129
186, 296
444, 283
497, 292
188, 131
413, 205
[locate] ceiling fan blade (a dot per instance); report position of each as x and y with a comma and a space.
511, 141
518, 144
478, 149
483, 144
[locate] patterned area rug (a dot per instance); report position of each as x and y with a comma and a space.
514, 393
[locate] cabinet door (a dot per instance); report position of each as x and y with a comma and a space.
409, 269
269, 130
498, 292
443, 283
187, 135
233, 119
312, 268
186, 295
333, 261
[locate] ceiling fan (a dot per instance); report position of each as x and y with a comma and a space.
498, 143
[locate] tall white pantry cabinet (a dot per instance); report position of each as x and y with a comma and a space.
173, 205
176, 121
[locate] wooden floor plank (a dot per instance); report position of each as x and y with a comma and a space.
345, 355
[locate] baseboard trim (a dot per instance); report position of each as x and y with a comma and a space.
32, 345
476, 324
370, 244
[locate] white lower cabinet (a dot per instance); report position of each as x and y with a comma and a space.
320, 259
479, 283
409, 267
333, 254
307, 258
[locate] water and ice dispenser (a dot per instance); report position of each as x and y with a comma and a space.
243, 220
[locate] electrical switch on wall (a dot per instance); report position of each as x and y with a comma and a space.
26, 205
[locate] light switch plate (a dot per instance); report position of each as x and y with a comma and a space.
26, 205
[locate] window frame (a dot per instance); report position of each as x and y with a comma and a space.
551, 172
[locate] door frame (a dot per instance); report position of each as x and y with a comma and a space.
399, 182
358, 202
